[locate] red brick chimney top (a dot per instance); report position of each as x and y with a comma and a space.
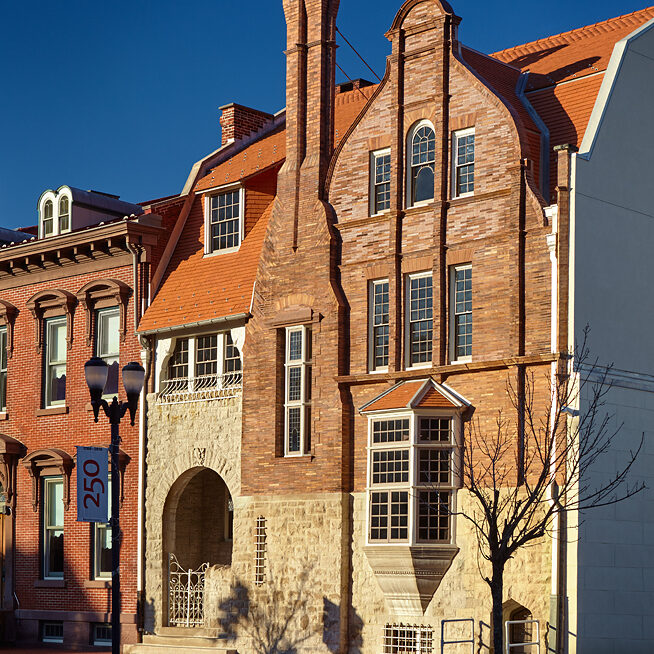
238, 121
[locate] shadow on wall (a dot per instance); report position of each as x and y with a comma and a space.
276, 619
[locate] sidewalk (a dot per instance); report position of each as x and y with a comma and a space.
51, 650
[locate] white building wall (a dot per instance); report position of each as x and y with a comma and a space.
611, 559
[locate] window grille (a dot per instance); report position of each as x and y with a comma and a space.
379, 324
260, 551
381, 181
225, 223
297, 404
408, 639
461, 308
52, 632
464, 162
420, 319
423, 157
102, 634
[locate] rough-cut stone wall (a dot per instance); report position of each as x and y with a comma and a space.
183, 437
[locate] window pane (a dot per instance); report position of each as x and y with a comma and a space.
56, 341
178, 362
435, 430
206, 355
55, 561
399, 515
380, 322
294, 384
382, 186
103, 566
462, 302
295, 346
434, 467
390, 466
225, 221
423, 184
56, 384
108, 333
465, 164
232, 357
379, 516
420, 319
293, 429
390, 431
434, 515
3, 369
55, 503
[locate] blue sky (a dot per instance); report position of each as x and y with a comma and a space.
123, 96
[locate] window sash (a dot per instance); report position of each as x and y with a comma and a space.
53, 528
101, 546
55, 361
380, 177
297, 391
178, 363
379, 324
421, 170
206, 355
461, 311
64, 214
107, 346
3, 368
419, 312
224, 222
463, 150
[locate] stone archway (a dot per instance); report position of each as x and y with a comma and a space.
198, 523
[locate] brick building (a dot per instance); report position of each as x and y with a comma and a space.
71, 288
346, 283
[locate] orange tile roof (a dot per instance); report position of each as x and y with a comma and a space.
271, 149
402, 395
573, 54
200, 288
398, 397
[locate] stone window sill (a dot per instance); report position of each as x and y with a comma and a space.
97, 583
4, 415
302, 457
50, 583
52, 411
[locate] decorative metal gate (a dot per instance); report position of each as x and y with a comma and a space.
185, 594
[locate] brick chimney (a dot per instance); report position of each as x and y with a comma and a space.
238, 121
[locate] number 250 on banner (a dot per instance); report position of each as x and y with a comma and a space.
92, 484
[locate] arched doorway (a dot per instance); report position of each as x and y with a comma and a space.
522, 627
198, 526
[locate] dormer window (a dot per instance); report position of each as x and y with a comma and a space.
48, 218
224, 221
64, 214
55, 212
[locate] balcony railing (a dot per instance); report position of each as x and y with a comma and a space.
201, 388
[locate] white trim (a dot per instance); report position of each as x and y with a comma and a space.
47, 364
55, 197
408, 167
304, 403
374, 155
407, 320
371, 327
456, 135
230, 188
452, 312
45, 528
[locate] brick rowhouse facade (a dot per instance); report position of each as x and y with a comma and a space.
72, 275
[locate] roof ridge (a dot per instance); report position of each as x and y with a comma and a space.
601, 25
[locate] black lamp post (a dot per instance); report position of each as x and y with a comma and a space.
96, 372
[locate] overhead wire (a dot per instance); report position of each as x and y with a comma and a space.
358, 55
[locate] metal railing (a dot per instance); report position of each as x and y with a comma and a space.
526, 647
458, 641
185, 594
197, 389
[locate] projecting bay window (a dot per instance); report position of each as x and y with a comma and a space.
380, 181
224, 221
378, 322
463, 163
461, 313
410, 479
107, 345
52, 538
55, 361
3, 369
297, 391
419, 320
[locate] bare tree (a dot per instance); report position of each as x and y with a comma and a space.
524, 474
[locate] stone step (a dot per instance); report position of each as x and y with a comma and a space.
151, 648
182, 641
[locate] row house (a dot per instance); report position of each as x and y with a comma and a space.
71, 288
350, 282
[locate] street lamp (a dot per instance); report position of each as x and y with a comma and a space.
96, 372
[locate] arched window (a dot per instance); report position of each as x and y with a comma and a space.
421, 158
48, 220
64, 214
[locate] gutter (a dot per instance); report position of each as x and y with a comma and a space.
201, 323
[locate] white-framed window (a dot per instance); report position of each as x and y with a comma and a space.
461, 313
52, 632
463, 163
55, 361
421, 159
408, 639
203, 362
297, 391
260, 551
3, 368
107, 345
411, 477
101, 547
224, 220
52, 539
419, 320
380, 181
379, 324
54, 213
102, 634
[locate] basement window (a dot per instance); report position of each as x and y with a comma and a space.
52, 632
408, 639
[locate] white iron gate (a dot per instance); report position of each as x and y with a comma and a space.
185, 594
